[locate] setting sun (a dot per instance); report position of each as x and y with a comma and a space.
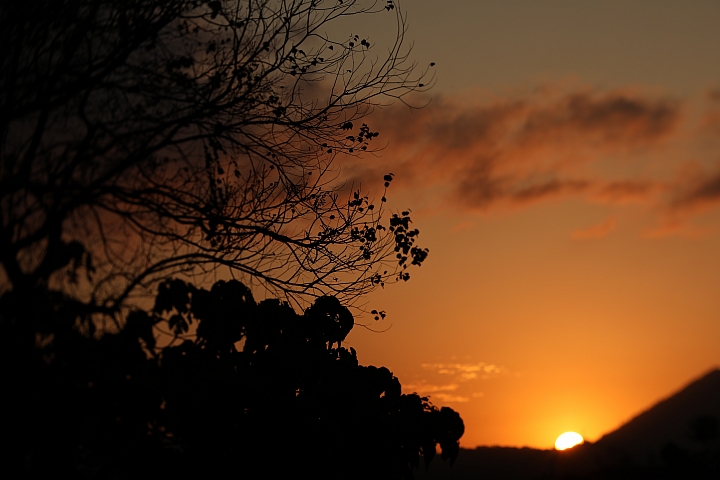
568, 440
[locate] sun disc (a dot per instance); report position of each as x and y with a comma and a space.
568, 440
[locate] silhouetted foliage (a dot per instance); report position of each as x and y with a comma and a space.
143, 139
234, 386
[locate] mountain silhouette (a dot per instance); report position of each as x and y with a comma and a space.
679, 437
669, 422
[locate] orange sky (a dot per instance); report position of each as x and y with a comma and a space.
566, 178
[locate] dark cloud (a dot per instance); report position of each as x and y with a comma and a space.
697, 190
615, 118
714, 95
518, 151
710, 121
479, 186
625, 191
549, 189
613, 148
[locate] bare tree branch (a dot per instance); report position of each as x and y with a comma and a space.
145, 139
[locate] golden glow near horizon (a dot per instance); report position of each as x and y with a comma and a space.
568, 440
569, 194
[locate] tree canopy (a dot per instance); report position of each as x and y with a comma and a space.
236, 386
146, 141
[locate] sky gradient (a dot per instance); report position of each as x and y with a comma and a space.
565, 175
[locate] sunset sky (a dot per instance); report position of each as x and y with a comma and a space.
566, 178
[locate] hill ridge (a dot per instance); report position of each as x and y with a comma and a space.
667, 421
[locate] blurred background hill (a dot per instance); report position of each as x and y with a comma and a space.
679, 437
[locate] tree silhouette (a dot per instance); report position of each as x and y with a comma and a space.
145, 139
237, 386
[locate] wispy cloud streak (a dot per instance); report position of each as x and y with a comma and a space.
595, 231
462, 380
465, 371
